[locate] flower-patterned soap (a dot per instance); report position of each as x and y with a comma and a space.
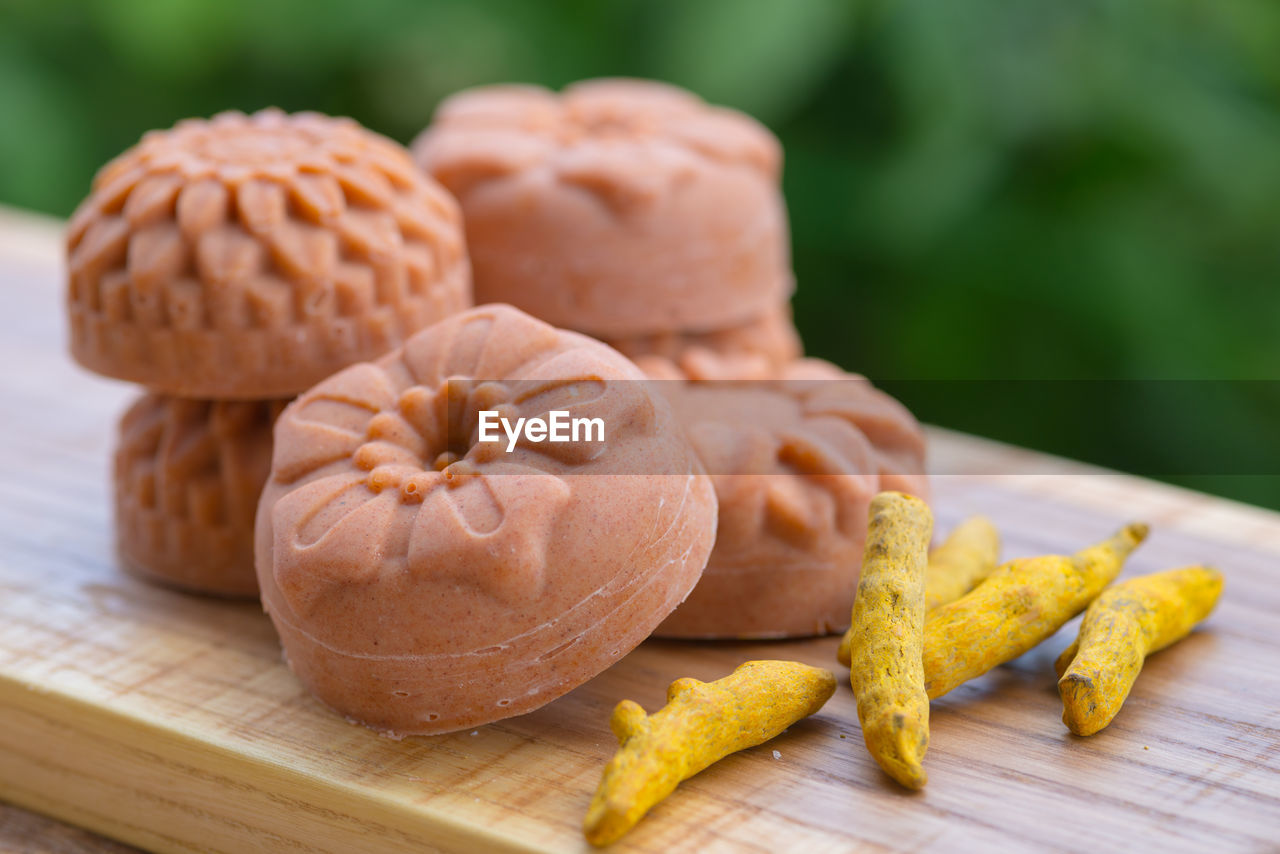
187, 478
760, 347
796, 461
618, 208
252, 256
423, 579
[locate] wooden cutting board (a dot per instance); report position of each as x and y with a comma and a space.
168, 721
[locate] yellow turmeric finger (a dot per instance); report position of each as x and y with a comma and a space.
1120, 629
965, 557
1023, 602
968, 555
886, 634
701, 723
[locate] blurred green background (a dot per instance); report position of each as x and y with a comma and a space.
1042, 190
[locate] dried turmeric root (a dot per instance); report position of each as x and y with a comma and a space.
968, 555
1023, 602
965, 558
701, 723
1120, 629
886, 635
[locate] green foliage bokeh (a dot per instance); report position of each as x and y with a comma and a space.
1044, 190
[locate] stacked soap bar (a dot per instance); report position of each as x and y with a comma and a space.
626, 209
188, 473
243, 259
633, 211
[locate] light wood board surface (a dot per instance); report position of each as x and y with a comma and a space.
169, 722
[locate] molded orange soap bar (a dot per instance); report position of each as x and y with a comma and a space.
252, 256
795, 462
761, 347
188, 474
618, 208
424, 581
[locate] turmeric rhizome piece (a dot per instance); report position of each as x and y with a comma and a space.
967, 556
1023, 602
701, 723
886, 634
1124, 625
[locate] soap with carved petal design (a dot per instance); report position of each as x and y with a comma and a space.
424, 581
761, 347
252, 256
795, 461
617, 207
188, 474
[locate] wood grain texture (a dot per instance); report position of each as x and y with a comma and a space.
169, 722
24, 832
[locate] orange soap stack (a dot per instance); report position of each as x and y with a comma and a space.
626, 209
634, 212
228, 265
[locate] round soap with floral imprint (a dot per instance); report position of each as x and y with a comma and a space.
423, 579
252, 256
617, 208
796, 460
760, 347
188, 474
